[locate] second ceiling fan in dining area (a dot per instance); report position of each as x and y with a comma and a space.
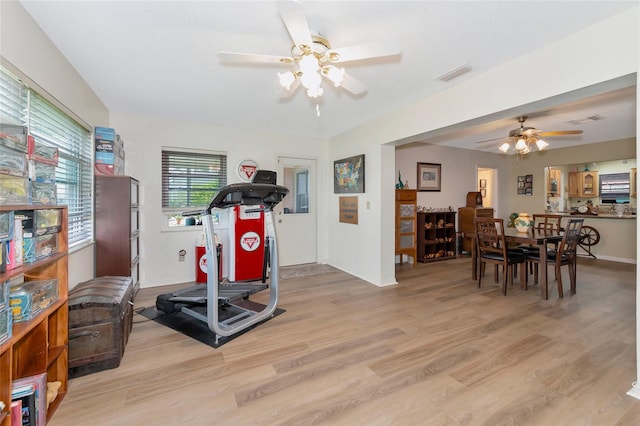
312, 58
523, 139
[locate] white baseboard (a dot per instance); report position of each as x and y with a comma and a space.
634, 391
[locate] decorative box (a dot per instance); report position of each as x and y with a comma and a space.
13, 162
39, 222
6, 325
27, 300
15, 256
43, 193
6, 226
3, 256
41, 172
14, 190
42, 153
13, 136
36, 248
100, 321
4, 295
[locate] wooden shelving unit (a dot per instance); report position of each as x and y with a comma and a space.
41, 344
436, 236
406, 208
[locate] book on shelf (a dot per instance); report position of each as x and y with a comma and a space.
31, 392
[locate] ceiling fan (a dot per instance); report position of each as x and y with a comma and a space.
312, 57
523, 138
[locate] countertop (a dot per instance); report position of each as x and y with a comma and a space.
596, 216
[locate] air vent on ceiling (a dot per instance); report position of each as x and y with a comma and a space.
589, 119
456, 72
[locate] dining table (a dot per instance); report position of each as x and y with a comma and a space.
533, 237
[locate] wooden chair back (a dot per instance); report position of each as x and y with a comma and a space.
490, 235
550, 222
568, 246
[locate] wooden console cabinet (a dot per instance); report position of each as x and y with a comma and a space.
436, 236
117, 227
39, 345
466, 225
406, 208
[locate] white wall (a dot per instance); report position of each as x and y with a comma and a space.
27, 51
459, 167
144, 138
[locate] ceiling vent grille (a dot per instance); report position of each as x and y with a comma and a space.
596, 117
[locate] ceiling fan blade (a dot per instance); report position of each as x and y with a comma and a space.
254, 58
353, 85
292, 14
494, 139
361, 51
560, 133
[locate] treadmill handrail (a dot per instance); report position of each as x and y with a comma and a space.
264, 194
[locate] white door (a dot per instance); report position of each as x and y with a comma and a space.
296, 215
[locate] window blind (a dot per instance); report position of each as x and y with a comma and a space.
74, 177
614, 186
191, 179
52, 127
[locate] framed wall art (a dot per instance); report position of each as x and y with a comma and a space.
429, 177
525, 185
348, 175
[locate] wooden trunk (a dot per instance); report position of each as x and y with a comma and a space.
100, 321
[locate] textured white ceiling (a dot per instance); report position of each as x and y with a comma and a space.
158, 58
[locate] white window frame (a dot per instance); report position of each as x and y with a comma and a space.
171, 213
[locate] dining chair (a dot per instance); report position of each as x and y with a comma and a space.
491, 248
542, 222
565, 254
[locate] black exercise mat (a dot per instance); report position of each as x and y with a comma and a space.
196, 329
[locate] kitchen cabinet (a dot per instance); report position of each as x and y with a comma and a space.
553, 182
583, 184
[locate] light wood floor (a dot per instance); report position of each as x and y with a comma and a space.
432, 350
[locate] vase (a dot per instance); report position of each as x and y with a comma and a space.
522, 222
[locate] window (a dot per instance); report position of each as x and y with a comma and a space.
51, 126
190, 179
614, 188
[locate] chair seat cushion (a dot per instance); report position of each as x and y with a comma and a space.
514, 257
551, 255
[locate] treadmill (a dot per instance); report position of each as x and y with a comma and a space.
216, 304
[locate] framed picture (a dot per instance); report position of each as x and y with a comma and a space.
348, 175
483, 184
483, 192
429, 177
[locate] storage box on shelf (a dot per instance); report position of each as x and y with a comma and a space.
38, 345
436, 236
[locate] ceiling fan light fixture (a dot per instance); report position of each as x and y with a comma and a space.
309, 64
286, 79
314, 92
335, 74
311, 80
505, 147
521, 145
541, 144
